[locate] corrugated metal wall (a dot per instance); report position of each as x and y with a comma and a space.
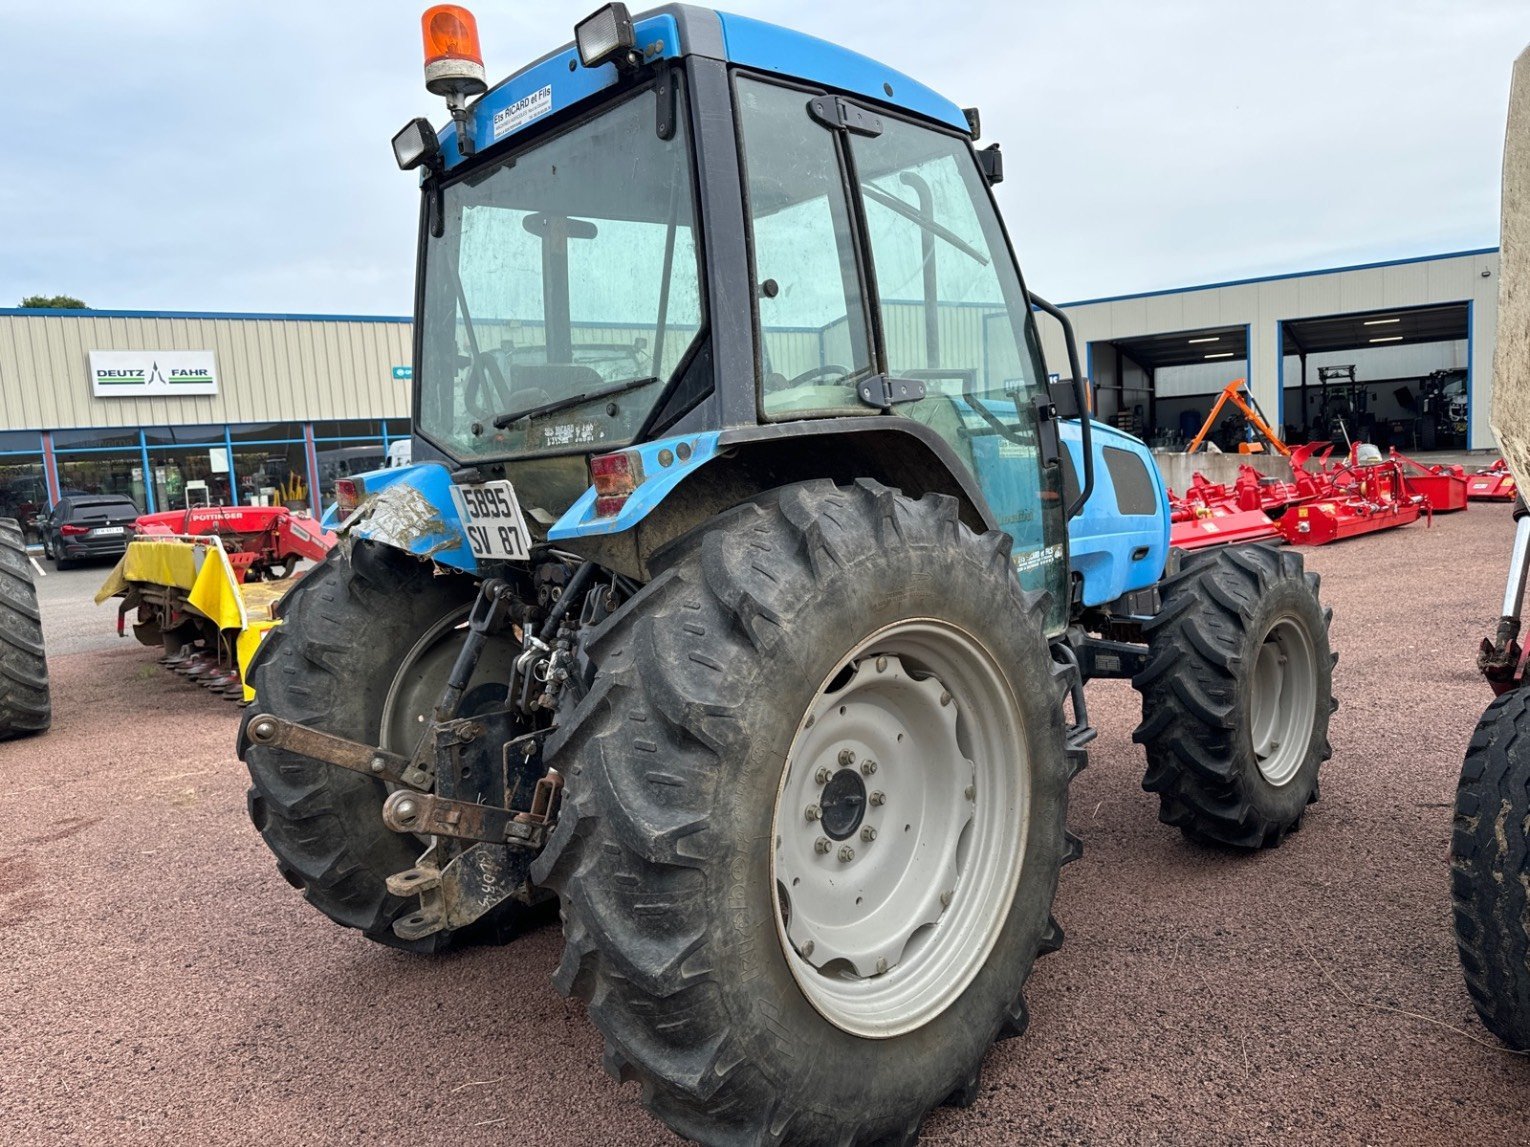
269, 369
1263, 304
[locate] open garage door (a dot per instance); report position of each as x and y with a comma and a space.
1396, 377
1161, 387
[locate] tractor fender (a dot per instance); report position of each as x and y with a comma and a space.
410, 508
687, 479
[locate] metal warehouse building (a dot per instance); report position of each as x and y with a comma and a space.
178, 408
173, 408
1401, 352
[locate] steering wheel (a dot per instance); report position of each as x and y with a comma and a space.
825, 371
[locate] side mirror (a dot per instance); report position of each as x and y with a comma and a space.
991, 161
1064, 397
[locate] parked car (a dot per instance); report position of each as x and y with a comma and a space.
82, 526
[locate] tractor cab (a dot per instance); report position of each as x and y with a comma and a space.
815, 281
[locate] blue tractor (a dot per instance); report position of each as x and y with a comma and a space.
744, 586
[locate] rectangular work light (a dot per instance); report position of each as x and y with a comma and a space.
607, 36
416, 144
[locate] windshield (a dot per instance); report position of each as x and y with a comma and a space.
564, 292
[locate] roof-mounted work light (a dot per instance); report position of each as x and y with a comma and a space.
454, 64
417, 144
607, 36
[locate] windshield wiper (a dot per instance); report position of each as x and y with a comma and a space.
503, 420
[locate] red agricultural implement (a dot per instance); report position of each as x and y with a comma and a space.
1444, 485
1492, 484
263, 543
1347, 499
201, 583
1214, 514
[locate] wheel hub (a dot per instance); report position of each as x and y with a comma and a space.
843, 804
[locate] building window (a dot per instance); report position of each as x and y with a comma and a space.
350, 428
97, 439
267, 432
182, 435
272, 474
23, 491
191, 475
103, 472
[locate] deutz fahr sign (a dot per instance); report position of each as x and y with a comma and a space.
152, 373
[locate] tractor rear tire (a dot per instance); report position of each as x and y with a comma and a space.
1489, 863
25, 706
349, 628
1236, 696
682, 818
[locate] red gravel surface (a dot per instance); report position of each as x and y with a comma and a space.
159, 982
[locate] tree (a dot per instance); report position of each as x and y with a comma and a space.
54, 302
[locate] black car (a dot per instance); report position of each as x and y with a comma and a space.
84, 526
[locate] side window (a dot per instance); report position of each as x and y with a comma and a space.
812, 332
955, 315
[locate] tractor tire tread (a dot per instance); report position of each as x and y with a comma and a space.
649, 749
26, 706
1197, 760
1489, 863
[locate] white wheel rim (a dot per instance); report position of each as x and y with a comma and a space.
917, 737
1283, 701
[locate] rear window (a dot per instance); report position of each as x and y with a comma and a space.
98, 505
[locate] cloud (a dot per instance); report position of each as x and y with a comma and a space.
235, 157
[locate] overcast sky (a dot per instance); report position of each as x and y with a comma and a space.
171, 155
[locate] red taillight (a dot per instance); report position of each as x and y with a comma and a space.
73, 531
345, 495
615, 476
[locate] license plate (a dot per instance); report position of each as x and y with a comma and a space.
491, 516
108, 531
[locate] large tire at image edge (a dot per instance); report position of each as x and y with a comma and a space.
353, 634
25, 705
1489, 861
678, 826
1236, 695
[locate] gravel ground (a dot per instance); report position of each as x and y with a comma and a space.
159, 981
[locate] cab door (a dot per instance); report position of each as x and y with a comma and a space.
950, 311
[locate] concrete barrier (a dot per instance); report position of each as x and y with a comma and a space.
1177, 468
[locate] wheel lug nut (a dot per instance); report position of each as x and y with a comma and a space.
822, 775
822, 844
971, 793
945, 698
868, 834
812, 812
807, 949
846, 854
847, 756
879, 797
881, 965
869, 767
945, 899
881, 665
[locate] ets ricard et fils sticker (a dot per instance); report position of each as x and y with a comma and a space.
522, 112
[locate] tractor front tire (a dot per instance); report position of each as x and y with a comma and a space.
354, 633
1489, 863
814, 819
1236, 695
25, 706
